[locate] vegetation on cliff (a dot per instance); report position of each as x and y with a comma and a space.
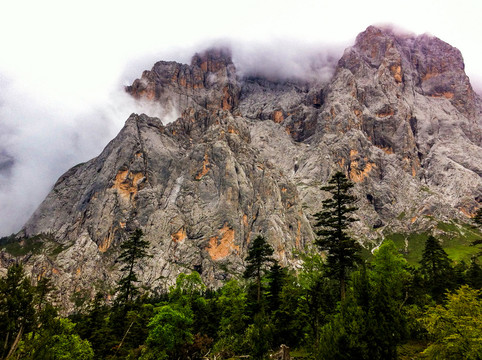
391, 310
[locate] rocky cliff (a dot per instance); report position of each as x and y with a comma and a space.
248, 155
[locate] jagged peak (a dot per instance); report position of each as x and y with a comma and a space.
377, 33
213, 59
388, 30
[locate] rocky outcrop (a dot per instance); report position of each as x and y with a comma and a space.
208, 83
247, 156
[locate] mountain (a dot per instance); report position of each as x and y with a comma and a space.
247, 155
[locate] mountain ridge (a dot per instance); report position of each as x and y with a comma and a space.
248, 156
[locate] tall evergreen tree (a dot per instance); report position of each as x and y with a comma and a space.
474, 275
17, 313
258, 259
276, 277
436, 269
317, 299
133, 250
477, 219
333, 222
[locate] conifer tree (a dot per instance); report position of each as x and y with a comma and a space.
436, 269
258, 259
477, 219
333, 222
474, 275
133, 250
17, 313
276, 276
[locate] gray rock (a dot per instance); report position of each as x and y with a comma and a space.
248, 156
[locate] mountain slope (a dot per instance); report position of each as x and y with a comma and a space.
248, 155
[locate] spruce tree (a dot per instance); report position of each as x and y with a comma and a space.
477, 219
17, 314
133, 250
333, 222
436, 269
258, 259
276, 277
474, 275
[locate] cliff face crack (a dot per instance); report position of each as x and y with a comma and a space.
143, 152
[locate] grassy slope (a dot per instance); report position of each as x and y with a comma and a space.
456, 240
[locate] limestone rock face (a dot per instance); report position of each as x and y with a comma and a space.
208, 83
248, 156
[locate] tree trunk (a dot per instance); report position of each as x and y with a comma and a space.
342, 288
5, 344
15, 343
259, 286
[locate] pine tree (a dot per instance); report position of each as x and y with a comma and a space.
133, 250
258, 259
477, 219
474, 275
333, 221
276, 277
436, 269
17, 313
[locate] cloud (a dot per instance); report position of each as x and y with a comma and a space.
42, 136
47, 128
287, 60
48, 125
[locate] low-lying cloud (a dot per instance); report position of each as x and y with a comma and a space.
42, 137
287, 60
44, 133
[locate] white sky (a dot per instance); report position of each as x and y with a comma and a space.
81, 48
63, 64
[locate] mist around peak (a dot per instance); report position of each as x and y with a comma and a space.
42, 136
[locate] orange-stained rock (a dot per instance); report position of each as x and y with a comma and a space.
357, 175
429, 75
470, 213
233, 130
278, 116
446, 94
227, 99
385, 112
388, 150
222, 245
107, 241
205, 168
127, 184
180, 235
396, 71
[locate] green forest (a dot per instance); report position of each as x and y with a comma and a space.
337, 304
